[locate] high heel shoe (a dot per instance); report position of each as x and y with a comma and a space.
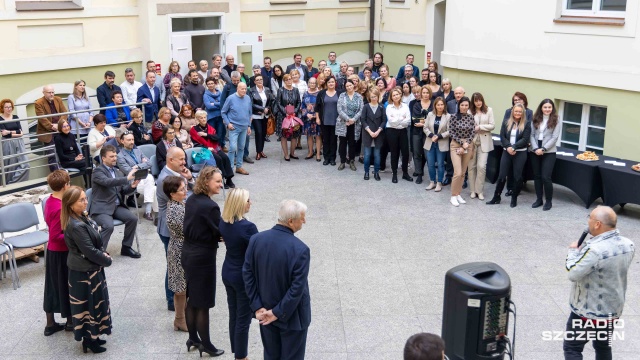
213, 352
191, 343
285, 159
93, 346
263, 155
293, 157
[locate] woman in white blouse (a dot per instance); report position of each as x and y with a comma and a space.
398, 119
298, 83
99, 135
483, 141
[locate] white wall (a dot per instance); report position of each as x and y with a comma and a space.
520, 38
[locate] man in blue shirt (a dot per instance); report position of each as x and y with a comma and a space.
236, 114
416, 70
333, 63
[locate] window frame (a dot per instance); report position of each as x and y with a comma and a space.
594, 12
584, 126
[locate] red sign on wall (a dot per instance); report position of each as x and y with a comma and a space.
158, 69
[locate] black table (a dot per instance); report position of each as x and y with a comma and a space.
581, 177
620, 184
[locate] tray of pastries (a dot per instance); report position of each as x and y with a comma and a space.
588, 156
636, 167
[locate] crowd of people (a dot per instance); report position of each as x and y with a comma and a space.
360, 117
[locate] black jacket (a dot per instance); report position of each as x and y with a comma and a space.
522, 138
66, 147
138, 131
161, 153
319, 109
85, 245
256, 100
287, 97
201, 221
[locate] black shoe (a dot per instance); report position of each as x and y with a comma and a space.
298, 147
100, 341
447, 181
495, 200
50, 330
514, 201
212, 352
376, 176
547, 206
267, 139
333, 163
419, 179
361, 160
508, 193
191, 343
171, 307
325, 163
294, 157
247, 160
415, 174
366, 176
93, 346
127, 251
69, 327
537, 204
394, 178
229, 184
406, 176
464, 184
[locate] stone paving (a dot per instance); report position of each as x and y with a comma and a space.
379, 254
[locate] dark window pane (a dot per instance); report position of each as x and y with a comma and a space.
572, 112
597, 151
571, 133
595, 137
195, 24
569, 146
613, 5
579, 4
598, 116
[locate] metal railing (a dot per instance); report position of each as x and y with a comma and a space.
48, 151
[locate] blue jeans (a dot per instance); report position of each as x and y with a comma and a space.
247, 141
435, 156
221, 130
367, 158
239, 318
168, 293
237, 138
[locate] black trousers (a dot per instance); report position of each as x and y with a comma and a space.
224, 164
329, 142
513, 167
260, 129
349, 140
417, 141
359, 147
398, 143
542, 166
384, 151
573, 348
281, 344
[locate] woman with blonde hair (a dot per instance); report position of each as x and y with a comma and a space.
384, 74
322, 82
80, 122
188, 117
398, 119
176, 99
164, 117
483, 141
514, 136
201, 239
436, 144
173, 73
90, 309
298, 82
236, 231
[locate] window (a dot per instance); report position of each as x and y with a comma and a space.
583, 126
595, 8
195, 23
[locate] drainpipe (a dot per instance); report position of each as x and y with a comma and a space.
372, 17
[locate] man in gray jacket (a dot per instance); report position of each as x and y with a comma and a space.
109, 188
176, 161
130, 158
598, 272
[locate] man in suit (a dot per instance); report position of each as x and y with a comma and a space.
109, 187
267, 72
47, 105
104, 91
277, 285
176, 161
150, 95
151, 66
297, 64
130, 158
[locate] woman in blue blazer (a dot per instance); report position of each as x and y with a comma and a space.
117, 116
236, 231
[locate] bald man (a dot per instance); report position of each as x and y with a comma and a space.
598, 272
49, 104
236, 114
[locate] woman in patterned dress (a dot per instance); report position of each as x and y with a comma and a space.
88, 293
287, 95
461, 130
176, 190
348, 126
311, 129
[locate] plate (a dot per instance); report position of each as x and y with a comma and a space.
589, 160
635, 170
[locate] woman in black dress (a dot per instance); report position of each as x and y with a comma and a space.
140, 135
201, 238
168, 141
287, 95
86, 261
69, 154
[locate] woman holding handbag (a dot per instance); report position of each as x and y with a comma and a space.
262, 102
287, 95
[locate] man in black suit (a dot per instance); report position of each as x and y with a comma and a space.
109, 188
297, 64
277, 284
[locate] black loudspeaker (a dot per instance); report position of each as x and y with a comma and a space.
475, 312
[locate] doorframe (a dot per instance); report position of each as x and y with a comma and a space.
170, 17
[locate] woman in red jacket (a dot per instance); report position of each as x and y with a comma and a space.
204, 135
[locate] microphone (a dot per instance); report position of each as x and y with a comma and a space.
582, 237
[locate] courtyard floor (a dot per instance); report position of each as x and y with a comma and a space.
379, 254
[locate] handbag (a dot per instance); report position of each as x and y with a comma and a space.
271, 125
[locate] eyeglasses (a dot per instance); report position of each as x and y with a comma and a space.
65, 126
171, 133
